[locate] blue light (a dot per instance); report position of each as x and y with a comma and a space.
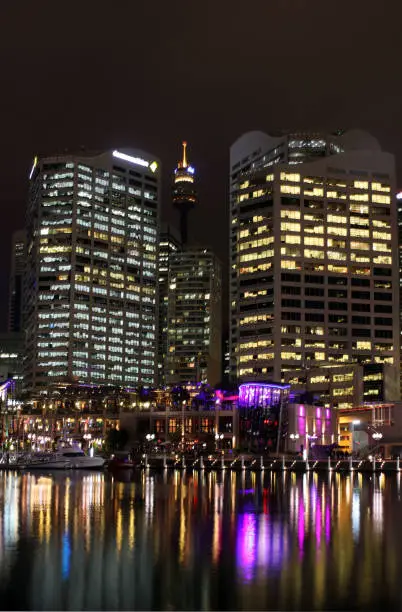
191, 169
66, 554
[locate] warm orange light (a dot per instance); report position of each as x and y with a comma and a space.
184, 162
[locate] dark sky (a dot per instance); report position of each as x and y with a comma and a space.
149, 73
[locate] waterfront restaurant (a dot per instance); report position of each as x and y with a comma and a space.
263, 416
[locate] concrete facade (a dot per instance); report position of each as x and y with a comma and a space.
313, 254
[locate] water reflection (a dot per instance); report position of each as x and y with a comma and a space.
199, 541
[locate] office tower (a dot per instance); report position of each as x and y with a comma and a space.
399, 208
194, 318
16, 281
314, 254
169, 244
90, 290
184, 193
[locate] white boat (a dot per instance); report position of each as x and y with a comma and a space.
64, 458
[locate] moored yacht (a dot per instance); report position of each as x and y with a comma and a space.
64, 458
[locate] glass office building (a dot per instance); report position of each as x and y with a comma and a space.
91, 279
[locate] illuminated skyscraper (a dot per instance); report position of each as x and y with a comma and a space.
16, 281
194, 318
184, 193
314, 254
90, 290
169, 244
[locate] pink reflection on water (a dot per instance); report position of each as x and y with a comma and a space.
300, 528
318, 518
246, 553
327, 523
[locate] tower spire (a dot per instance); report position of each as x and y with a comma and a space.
184, 162
184, 192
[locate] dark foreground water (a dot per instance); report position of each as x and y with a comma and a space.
200, 542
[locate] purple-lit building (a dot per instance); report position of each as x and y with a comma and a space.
263, 416
309, 426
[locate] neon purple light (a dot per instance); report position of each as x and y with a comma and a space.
262, 395
328, 413
300, 529
246, 553
327, 524
316, 506
301, 410
301, 426
318, 413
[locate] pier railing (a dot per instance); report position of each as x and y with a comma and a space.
263, 463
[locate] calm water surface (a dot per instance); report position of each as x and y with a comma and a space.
200, 542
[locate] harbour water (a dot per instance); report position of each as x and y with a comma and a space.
200, 541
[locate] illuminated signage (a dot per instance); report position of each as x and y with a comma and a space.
190, 169
138, 161
35, 163
399, 196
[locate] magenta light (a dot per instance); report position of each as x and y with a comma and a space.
300, 529
301, 410
247, 545
327, 524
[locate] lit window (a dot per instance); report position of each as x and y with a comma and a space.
317, 192
290, 214
336, 219
313, 241
359, 197
291, 227
291, 177
381, 199
292, 189
380, 187
313, 254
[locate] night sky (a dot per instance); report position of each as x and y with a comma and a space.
148, 74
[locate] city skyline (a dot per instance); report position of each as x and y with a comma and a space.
196, 96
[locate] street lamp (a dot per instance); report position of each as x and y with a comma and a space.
217, 438
149, 437
377, 435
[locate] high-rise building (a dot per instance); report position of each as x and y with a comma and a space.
194, 318
184, 193
169, 244
314, 254
18, 250
399, 208
91, 282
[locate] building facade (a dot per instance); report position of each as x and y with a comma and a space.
194, 318
399, 209
18, 258
314, 254
344, 386
12, 358
91, 282
169, 244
